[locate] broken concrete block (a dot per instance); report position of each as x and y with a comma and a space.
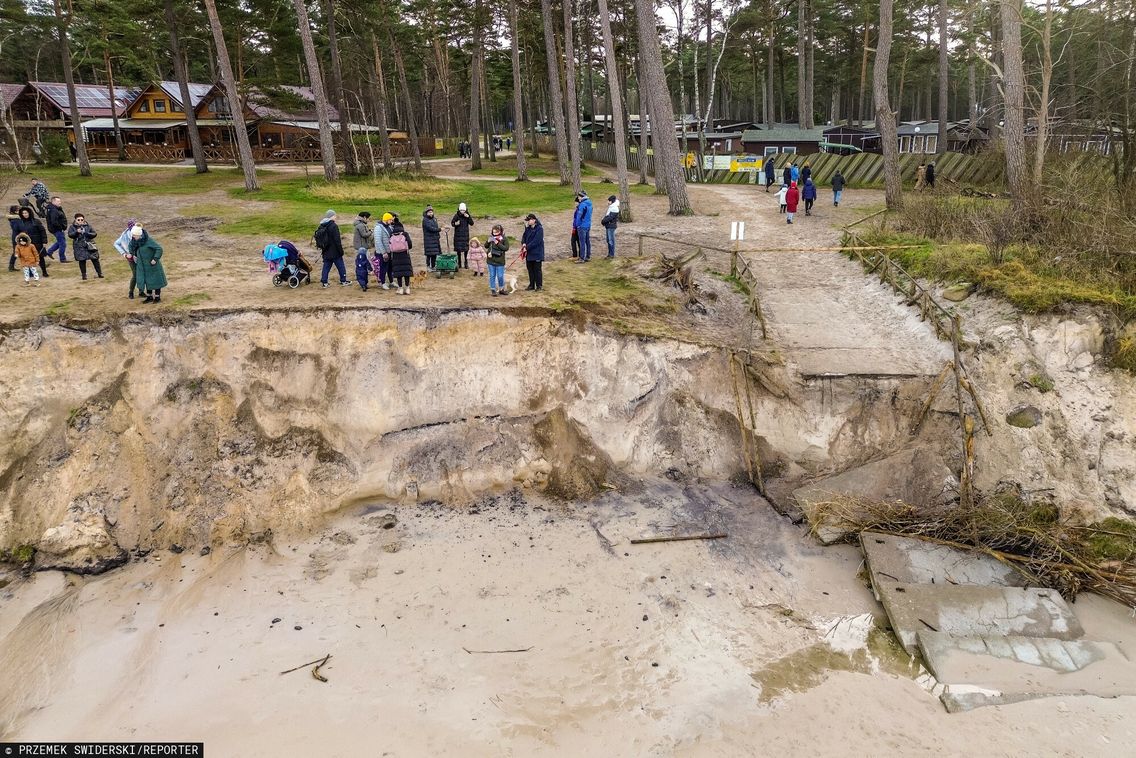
913, 561
974, 611
996, 669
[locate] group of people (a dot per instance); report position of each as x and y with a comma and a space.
925, 176
797, 186
384, 250
30, 244
582, 227
465, 148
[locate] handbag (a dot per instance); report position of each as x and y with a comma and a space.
92, 250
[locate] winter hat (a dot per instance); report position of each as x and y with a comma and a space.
136, 231
792, 184
329, 214
531, 217
130, 223
429, 207
462, 207
387, 218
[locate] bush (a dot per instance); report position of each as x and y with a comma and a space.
56, 149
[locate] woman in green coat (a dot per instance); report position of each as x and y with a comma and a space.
148, 255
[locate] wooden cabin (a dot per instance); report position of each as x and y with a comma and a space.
782, 138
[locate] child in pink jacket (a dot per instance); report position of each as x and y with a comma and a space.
476, 257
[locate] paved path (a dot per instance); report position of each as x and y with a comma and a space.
821, 309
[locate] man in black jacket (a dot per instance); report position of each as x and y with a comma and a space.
26, 223
57, 226
330, 242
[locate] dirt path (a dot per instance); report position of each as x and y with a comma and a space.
829, 317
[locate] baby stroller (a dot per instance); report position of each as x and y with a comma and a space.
446, 264
287, 265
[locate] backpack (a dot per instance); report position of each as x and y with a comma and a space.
398, 243
320, 237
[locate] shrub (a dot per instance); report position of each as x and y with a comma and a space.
56, 150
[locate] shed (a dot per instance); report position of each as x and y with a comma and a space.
782, 139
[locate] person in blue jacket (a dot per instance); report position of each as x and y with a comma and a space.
794, 172
582, 222
532, 248
810, 196
770, 172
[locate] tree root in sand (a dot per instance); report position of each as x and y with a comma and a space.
1030, 537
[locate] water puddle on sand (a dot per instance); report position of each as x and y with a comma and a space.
855, 644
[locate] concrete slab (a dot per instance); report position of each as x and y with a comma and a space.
1014, 668
833, 320
911, 561
973, 611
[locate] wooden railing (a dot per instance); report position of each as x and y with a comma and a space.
948, 325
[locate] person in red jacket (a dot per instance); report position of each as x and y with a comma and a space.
792, 197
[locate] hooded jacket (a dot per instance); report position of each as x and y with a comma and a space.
26, 252
364, 236
431, 235
583, 217
334, 249
150, 275
810, 192
29, 225
838, 182
792, 197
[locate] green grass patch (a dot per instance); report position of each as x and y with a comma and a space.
739, 286
1124, 356
1025, 278
1114, 539
190, 300
61, 308
543, 167
118, 179
1041, 382
294, 206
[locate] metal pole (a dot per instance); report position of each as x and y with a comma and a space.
113, 102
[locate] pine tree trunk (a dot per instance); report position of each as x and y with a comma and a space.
487, 115
616, 99
668, 160
802, 62
327, 147
475, 96
195, 145
62, 22
810, 75
864, 76
941, 145
412, 128
1013, 77
770, 116
570, 92
641, 96
350, 159
1043, 98
518, 103
236, 108
557, 103
381, 106
885, 118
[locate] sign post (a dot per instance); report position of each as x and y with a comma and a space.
737, 234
